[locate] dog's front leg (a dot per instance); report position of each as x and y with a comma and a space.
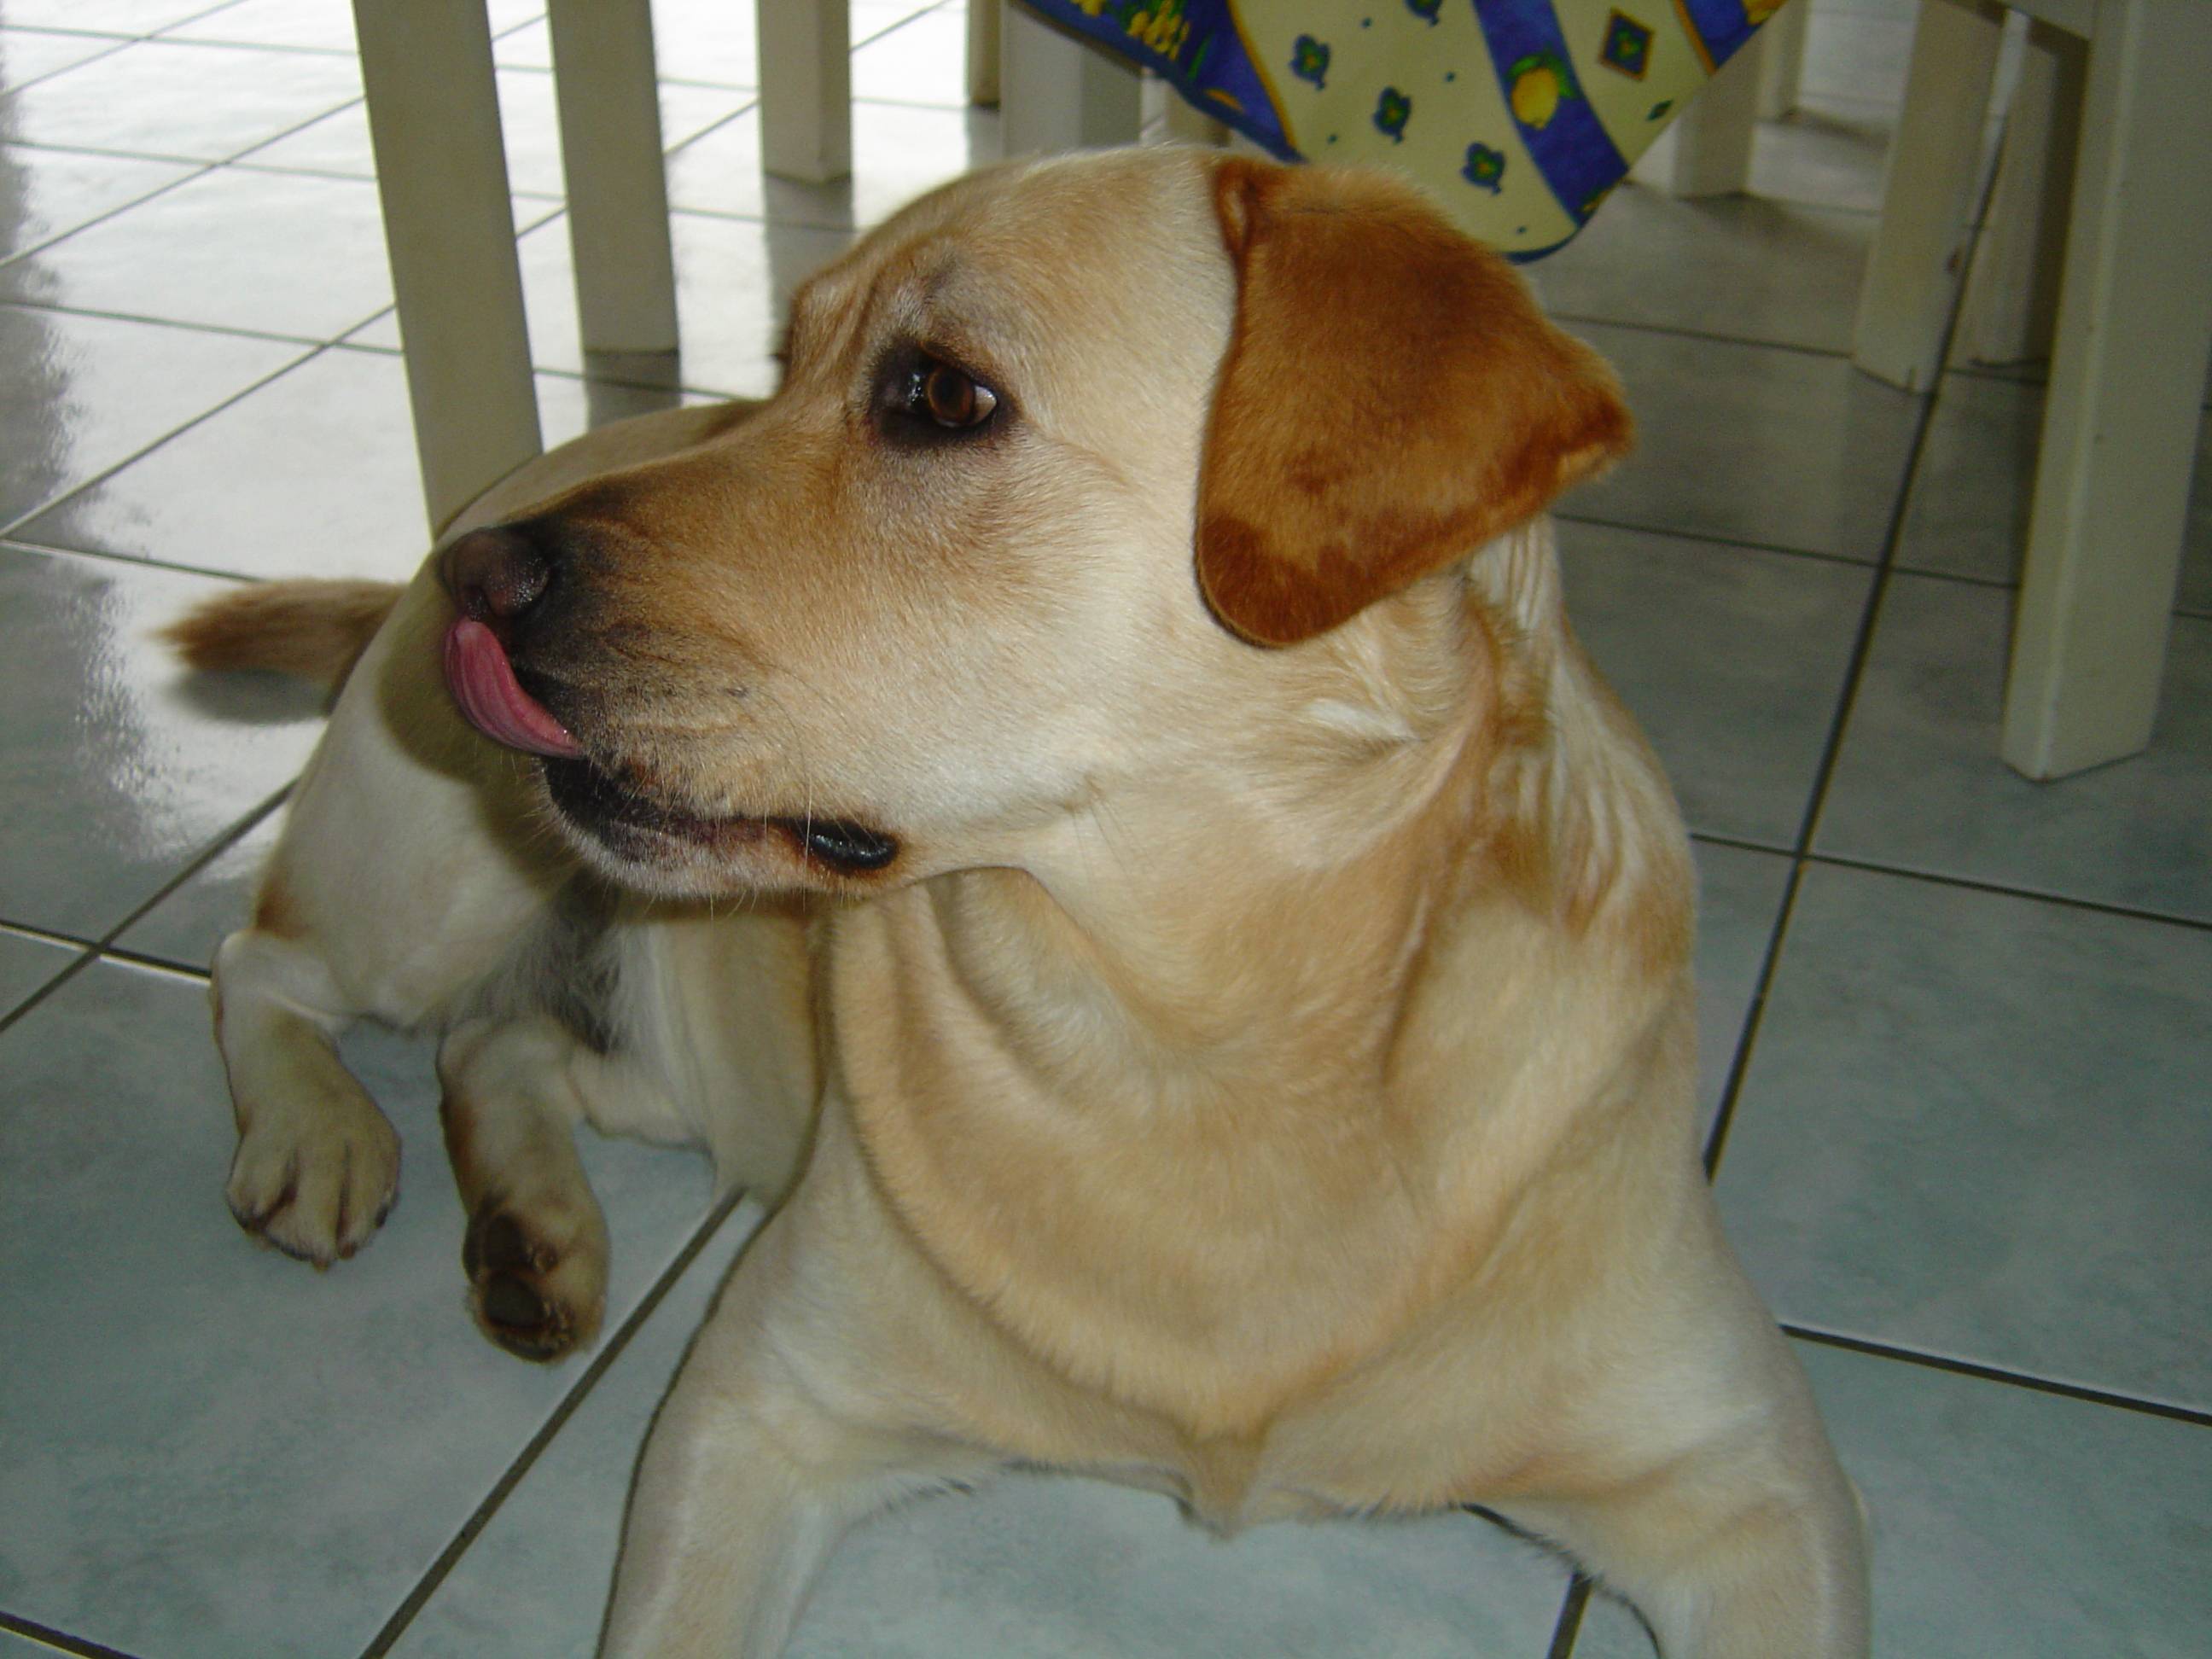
771, 1445
536, 1250
1749, 1545
405, 871
1730, 1564
317, 1163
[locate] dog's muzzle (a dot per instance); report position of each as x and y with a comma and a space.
495, 577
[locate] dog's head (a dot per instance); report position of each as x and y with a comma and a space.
1090, 476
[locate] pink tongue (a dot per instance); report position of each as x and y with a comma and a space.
483, 682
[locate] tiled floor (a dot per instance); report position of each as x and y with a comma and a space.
1957, 1028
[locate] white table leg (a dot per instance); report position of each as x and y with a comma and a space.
983, 51
1782, 59
449, 226
617, 191
1058, 92
1713, 137
806, 89
1928, 201
2011, 309
2119, 431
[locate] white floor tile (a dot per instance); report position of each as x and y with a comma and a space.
212, 1449
1974, 1126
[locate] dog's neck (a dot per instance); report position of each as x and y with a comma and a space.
1267, 932
1353, 1055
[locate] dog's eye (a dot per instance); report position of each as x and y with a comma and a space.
926, 399
952, 400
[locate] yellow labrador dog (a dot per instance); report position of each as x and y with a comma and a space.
1224, 1022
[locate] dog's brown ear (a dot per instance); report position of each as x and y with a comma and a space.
1391, 399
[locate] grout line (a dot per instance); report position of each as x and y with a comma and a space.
128, 37
923, 103
1569, 1625
586, 375
247, 163
97, 949
48, 145
12, 528
1754, 1014
191, 161
86, 956
213, 850
46, 935
60, 1641
1742, 843
1675, 330
201, 170
602, 1362
1831, 752
1744, 544
2001, 585
1969, 883
2037, 381
2098, 907
1738, 543
169, 37
296, 128
660, 78
115, 45
1962, 578
929, 9
673, 150
529, 22
245, 157
138, 561
1935, 1362
120, 38
751, 94
196, 17
231, 329
156, 964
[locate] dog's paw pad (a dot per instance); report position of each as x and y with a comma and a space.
530, 1297
513, 1305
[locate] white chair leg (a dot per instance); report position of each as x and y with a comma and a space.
618, 190
1926, 203
1059, 92
2011, 309
806, 89
2119, 431
449, 225
983, 51
1188, 124
1782, 59
1713, 137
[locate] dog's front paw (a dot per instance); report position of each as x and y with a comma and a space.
537, 1283
317, 1189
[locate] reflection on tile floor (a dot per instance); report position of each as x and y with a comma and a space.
1969, 1139
26, 963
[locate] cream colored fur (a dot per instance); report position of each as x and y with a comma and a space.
1265, 1074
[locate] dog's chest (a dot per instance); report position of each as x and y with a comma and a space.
1228, 1483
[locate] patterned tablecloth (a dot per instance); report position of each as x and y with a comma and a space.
1519, 115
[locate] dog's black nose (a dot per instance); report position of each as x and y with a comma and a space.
496, 574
